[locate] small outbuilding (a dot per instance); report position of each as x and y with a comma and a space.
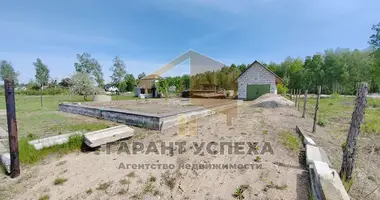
147, 86
257, 80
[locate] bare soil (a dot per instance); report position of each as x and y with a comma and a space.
97, 175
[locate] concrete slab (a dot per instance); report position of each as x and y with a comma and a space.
51, 141
5, 161
313, 153
332, 186
309, 141
98, 138
321, 168
325, 157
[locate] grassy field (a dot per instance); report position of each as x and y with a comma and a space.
35, 122
338, 110
335, 117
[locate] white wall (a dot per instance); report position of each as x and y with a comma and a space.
256, 74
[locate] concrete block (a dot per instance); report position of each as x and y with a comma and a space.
5, 161
321, 168
332, 186
51, 141
309, 141
97, 138
325, 157
313, 153
328, 181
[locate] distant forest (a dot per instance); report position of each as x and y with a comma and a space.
338, 70
335, 70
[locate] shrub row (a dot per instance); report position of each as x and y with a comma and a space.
48, 91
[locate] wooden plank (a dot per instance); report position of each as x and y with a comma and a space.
98, 138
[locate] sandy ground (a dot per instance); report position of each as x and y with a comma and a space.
97, 175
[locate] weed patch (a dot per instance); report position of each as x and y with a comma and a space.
89, 191
239, 192
60, 181
322, 121
290, 141
124, 181
104, 186
29, 155
45, 197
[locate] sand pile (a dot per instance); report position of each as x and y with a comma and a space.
272, 101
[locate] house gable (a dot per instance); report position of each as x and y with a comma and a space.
256, 74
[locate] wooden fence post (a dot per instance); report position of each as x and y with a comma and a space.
299, 97
12, 127
316, 109
290, 94
349, 148
295, 98
304, 104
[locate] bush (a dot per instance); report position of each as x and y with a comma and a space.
281, 89
48, 91
290, 141
322, 121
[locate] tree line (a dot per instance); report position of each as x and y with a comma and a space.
335, 70
338, 70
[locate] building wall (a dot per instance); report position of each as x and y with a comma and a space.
256, 75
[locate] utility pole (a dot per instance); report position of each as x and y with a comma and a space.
12, 127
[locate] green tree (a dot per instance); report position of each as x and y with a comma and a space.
91, 66
7, 72
375, 67
42, 75
82, 84
130, 82
118, 71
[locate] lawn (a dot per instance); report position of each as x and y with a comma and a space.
35, 122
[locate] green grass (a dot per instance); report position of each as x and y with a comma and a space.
29, 155
290, 140
338, 111
35, 122
60, 181
45, 197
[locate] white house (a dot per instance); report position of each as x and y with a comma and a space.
257, 80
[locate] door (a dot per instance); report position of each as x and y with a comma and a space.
255, 91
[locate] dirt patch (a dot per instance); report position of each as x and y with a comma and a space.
98, 175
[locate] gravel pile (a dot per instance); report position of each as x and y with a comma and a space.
272, 101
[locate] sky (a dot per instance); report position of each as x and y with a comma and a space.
147, 34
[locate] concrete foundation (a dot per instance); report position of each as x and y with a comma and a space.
145, 120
